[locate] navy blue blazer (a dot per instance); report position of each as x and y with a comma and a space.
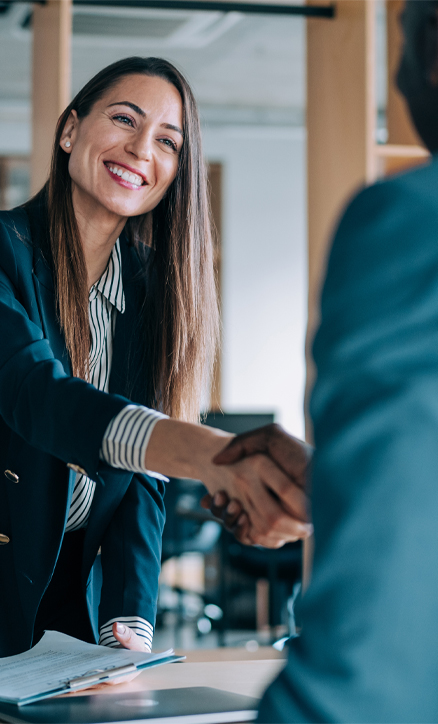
48, 420
369, 647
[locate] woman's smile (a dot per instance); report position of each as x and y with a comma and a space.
125, 175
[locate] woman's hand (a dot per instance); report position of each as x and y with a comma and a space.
128, 639
277, 509
231, 513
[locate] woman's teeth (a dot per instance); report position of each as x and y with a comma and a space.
132, 178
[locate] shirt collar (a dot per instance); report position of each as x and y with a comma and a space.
110, 284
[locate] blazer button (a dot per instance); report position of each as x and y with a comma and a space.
77, 468
13, 477
4, 539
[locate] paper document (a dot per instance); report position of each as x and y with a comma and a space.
60, 663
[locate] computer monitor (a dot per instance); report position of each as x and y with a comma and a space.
236, 422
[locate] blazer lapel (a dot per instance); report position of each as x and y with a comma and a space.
46, 301
43, 284
51, 329
129, 369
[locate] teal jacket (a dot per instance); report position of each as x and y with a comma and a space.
369, 647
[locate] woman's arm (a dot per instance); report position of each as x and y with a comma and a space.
277, 508
45, 406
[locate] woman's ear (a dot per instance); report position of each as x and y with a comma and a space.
69, 132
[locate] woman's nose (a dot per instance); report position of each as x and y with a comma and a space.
141, 146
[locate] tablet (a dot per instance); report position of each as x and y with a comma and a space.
191, 705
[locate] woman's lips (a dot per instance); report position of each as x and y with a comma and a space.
129, 179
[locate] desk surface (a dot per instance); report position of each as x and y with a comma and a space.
230, 669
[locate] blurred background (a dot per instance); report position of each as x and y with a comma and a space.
285, 142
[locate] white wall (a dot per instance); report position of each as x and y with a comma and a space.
264, 272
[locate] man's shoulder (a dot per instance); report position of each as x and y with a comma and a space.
416, 186
424, 175
388, 232
399, 209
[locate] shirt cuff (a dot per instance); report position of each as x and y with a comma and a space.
126, 439
140, 626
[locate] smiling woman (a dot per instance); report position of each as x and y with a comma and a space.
108, 321
130, 119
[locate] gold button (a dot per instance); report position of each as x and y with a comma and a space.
13, 477
4, 539
77, 468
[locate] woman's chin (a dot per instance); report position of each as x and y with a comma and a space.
123, 209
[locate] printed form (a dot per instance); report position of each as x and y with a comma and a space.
59, 664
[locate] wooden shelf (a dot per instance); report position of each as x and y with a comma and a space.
391, 150
393, 158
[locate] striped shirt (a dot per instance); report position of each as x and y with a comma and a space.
126, 437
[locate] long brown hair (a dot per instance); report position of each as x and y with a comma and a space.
184, 330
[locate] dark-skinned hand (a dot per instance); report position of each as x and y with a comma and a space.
290, 454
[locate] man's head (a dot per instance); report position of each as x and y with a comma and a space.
417, 76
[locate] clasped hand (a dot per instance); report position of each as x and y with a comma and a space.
265, 503
263, 472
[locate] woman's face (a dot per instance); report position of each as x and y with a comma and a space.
124, 154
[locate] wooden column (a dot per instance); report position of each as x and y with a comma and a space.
51, 80
341, 121
215, 189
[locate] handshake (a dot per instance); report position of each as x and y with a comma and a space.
271, 506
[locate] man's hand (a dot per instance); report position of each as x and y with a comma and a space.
289, 453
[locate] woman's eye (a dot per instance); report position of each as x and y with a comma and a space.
169, 143
123, 119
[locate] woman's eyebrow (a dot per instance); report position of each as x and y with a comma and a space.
173, 128
135, 108
141, 112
